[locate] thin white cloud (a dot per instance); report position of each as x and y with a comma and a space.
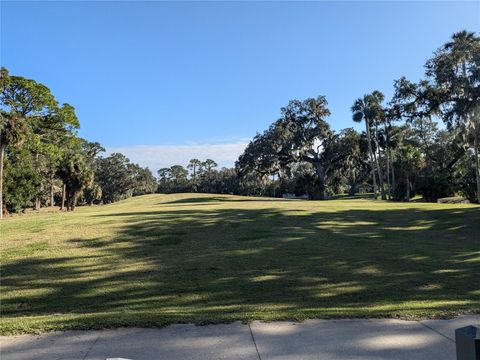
160, 156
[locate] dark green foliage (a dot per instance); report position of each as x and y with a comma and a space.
114, 177
92, 194
21, 181
24, 105
202, 179
454, 72
466, 181
119, 179
175, 179
301, 135
145, 182
76, 173
434, 185
38, 143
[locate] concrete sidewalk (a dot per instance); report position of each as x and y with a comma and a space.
313, 339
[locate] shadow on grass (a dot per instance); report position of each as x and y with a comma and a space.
208, 199
351, 197
216, 265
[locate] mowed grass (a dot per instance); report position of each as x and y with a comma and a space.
160, 259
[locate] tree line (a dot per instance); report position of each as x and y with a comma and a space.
44, 163
402, 152
425, 140
205, 177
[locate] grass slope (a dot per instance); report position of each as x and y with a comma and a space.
201, 258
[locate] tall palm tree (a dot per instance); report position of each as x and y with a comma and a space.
388, 156
368, 109
409, 159
378, 113
194, 165
208, 165
455, 68
465, 52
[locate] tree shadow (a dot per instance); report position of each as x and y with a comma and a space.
224, 264
351, 197
207, 199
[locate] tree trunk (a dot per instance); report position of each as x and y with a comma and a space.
379, 168
387, 154
369, 141
2, 154
394, 184
353, 189
73, 201
51, 193
273, 185
380, 175
408, 187
194, 179
477, 160
64, 190
320, 170
69, 199
37, 198
389, 186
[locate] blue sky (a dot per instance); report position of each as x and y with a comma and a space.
164, 81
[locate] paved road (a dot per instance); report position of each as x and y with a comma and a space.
370, 339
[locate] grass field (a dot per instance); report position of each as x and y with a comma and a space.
159, 259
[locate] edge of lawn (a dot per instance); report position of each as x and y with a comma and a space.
107, 320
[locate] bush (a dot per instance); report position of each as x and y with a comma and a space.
433, 186
466, 182
20, 185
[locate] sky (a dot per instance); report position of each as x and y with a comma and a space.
164, 82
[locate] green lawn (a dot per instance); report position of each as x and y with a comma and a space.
159, 259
